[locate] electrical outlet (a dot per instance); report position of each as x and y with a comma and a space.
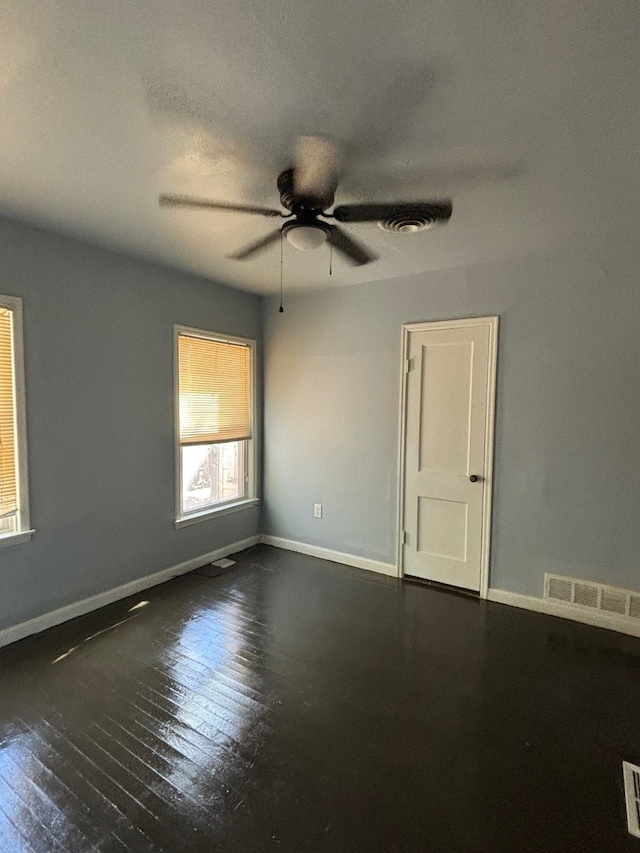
317, 510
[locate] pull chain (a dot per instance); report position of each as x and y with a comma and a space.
330, 258
281, 309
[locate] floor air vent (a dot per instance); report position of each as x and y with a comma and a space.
632, 797
592, 596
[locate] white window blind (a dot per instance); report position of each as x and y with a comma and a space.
8, 473
214, 390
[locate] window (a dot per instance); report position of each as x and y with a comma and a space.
14, 499
214, 412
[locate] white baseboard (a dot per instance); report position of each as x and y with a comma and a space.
79, 608
332, 556
566, 611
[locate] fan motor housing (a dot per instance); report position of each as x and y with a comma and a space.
296, 205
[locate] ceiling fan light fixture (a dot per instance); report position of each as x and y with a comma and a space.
305, 237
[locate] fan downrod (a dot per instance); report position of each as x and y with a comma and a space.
301, 206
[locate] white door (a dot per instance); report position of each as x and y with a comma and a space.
448, 409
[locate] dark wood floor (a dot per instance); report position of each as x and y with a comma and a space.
296, 705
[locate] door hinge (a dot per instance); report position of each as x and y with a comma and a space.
405, 537
408, 364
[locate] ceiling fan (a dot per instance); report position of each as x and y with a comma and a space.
307, 192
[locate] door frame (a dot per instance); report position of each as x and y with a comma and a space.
407, 329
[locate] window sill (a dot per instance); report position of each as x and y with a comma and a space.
7, 539
207, 515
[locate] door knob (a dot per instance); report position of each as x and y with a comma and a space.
474, 478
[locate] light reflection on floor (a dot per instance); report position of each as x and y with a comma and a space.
213, 678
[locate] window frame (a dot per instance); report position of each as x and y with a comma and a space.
183, 519
23, 531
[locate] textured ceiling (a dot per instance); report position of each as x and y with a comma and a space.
526, 113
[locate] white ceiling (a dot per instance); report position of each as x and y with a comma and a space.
527, 113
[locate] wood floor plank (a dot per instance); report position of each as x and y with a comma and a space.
107, 789
301, 706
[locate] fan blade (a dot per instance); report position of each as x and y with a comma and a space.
314, 176
380, 212
341, 241
189, 201
252, 248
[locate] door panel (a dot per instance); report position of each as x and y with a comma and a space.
442, 528
445, 371
445, 436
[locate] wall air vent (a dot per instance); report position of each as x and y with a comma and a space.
613, 601
634, 606
607, 600
585, 594
559, 589
632, 796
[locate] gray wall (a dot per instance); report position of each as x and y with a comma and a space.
567, 463
98, 334
99, 383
